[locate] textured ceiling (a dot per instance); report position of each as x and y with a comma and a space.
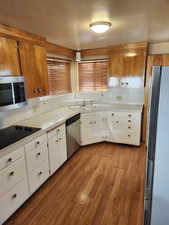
66, 22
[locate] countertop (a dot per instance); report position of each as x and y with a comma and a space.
45, 121
52, 119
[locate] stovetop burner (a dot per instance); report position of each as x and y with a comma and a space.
12, 134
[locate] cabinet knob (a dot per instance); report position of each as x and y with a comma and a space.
9, 160
129, 135
37, 142
38, 154
129, 121
14, 196
60, 139
40, 173
117, 121
129, 127
58, 130
129, 115
56, 141
11, 173
112, 114
35, 91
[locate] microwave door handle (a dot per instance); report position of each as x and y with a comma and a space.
13, 93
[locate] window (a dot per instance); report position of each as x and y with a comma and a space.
59, 76
93, 76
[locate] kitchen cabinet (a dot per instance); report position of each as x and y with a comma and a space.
127, 65
57, 148
118, 127
125, 127
34, 69
13, 182
37, 162
93, 128
9, 59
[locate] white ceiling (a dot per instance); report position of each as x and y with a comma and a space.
66, 22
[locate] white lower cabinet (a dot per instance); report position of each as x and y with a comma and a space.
57, 148
13, 183
13, 199
118, 127
38, 176
93, 128
37, 162
12, 175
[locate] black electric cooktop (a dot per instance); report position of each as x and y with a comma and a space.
12, 134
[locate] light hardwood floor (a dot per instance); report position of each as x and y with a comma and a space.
102, 184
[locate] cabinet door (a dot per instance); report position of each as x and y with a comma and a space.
9, 58
54, 160
34, 69
57, 149
62, 146
86, 131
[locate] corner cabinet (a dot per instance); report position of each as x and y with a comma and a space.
9, 60
34, 69
117, 127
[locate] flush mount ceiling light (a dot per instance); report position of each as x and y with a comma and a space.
100, 27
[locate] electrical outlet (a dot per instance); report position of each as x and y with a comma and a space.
119, 98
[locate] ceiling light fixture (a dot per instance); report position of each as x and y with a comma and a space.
100, 26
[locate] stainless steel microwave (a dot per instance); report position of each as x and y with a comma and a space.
12, 92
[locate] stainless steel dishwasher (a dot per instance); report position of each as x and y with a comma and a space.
73, 134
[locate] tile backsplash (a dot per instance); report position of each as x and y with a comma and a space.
37, 106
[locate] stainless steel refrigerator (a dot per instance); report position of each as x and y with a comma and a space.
157, 176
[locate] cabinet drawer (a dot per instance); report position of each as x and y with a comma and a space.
11, 201
35, 157
59, 130
38, 176
12, 175
37, 142
11, 157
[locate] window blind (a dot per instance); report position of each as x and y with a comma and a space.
93, 76
59, 76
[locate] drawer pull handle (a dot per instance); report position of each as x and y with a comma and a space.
9, 160
40, 173
38, 154
11, 173
14, 196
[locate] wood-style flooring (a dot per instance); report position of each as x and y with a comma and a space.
101, 184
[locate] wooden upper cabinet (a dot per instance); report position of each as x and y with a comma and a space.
34, 69
127, 64
9, 57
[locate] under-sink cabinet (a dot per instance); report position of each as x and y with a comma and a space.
118, 127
